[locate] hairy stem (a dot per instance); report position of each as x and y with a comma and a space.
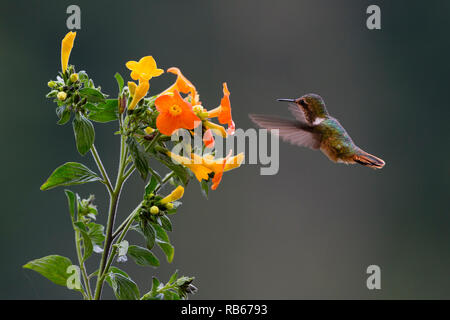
82, 266
100, 166
125, 222
127, 226
114, 200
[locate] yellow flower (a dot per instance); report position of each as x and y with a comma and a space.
140, 92
132, 87
175, 195
66, 48
169, 206
216, 164
149, 130
61, 96
145, 69
201, 172
203, 166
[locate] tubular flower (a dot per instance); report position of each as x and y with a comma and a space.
223, 112
174, 196
139, 93
183, 85
132, 88
208, 139
218, 166
66, 48
219, 174
201, 172
174, 113
216, 128
145, 69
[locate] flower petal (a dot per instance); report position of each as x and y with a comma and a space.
66, 48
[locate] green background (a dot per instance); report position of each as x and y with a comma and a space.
308, 232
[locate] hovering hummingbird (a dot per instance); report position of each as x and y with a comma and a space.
314, 128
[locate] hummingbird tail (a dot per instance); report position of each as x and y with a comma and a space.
368, 160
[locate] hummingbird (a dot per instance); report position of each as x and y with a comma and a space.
315, 128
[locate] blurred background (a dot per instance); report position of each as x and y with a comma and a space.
308, 232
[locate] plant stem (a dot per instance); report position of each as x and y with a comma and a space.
100, 166
122, 235
152, 143
164, 181
82, 266
114, 200
125, 222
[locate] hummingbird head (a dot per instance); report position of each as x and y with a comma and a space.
312, 105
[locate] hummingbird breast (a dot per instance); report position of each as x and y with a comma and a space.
336, 143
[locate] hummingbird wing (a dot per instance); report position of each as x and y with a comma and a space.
292, 131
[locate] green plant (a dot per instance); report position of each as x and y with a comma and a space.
145, 125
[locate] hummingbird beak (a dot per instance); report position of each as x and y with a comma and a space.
287, 100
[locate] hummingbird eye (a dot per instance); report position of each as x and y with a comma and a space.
303, 103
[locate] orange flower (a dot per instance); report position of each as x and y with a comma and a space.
174, 113
145, 69
223, 112
66, 48
208, 139
219, 173
182, 84
139, 93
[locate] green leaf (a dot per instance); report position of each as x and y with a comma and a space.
120, 82
92, 95
63, 113
104, 112
149, 233
70, 173
151, 186
167, 248
205, 188
84, 133
71, 202
84, 78
139, 158
163, 241
53, 267
143, 256
166, 223
124, 288
119, 271
174, 277
87, 242
95, 232
181, 172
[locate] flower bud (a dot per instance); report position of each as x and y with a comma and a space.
74, 77
149, 130
169, 206
61, 96
51, 84
200, 111
154, 210
122, 103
